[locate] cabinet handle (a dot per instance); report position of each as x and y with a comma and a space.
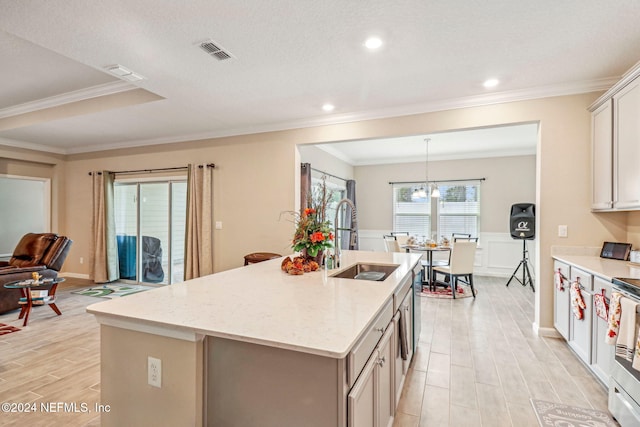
381, 361
381, 330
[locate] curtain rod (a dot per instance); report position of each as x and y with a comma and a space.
209, 165
328, 174
438, 180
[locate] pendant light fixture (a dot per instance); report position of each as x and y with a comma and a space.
421, 192
433, 187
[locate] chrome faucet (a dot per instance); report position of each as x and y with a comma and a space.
353, 229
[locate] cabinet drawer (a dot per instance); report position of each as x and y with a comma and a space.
585, 279
363, 349
401, 291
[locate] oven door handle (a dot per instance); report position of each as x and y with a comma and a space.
623, 400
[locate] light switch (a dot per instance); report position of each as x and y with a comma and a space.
562, 231
218, 225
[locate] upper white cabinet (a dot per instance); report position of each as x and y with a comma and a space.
615, 134
602, 160
626, 145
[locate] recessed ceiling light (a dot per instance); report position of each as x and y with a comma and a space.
373, 43
491, 83
328, 107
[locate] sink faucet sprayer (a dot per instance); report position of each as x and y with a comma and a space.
353, 229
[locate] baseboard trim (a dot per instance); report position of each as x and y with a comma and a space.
545, 332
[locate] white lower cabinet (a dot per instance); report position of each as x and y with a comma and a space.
371, 400
580, 329
586, 337
562, 300
400, 365
602, 354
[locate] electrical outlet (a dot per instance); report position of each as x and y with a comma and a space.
81, 260
154, 372
218, 225
562, 231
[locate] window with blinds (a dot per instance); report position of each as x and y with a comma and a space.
411, 214
457, 210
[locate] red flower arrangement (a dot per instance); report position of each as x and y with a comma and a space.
313, 231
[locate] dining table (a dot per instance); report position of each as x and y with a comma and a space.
429, 250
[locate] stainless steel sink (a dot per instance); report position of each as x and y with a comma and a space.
363, 271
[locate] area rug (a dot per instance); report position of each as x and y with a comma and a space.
462, 291
112, 291
556, 414
7, 329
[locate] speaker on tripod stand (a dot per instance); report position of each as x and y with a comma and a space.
522, 224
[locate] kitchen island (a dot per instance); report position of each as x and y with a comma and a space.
255, 346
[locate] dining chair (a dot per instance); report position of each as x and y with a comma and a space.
460, 267
401, 237
465, 239
391, 243
455, 236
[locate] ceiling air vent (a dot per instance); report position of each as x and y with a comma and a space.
215, 50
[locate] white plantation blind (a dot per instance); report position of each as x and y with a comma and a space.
413, 216
459, 208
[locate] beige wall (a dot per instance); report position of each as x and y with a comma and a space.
255, 179
509, 180
325, 162
253, 183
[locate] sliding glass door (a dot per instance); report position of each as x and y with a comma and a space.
150, 227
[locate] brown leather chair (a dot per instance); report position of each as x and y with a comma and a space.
44, 253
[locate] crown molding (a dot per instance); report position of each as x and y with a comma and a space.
450, 104
627, 78
67, 98
31, 146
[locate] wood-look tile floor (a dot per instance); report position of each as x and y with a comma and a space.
53, 361
478, 363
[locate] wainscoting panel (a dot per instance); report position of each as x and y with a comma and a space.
498, 254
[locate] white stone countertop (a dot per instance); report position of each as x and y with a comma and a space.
601, 267
261, 304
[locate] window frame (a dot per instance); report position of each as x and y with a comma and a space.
437, 210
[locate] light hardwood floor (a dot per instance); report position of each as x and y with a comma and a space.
53, 359
478, 363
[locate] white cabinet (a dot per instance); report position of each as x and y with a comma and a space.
561, 304
615, 132
626, 138
371, 400
602, 159
580, 329
400, 365
601, 352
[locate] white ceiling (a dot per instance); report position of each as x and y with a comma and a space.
499, 141
289, 58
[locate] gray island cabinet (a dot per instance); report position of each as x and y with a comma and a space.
255, 347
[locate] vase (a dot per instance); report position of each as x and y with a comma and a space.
317, 258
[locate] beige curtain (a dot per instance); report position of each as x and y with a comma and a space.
104, 262
198, 259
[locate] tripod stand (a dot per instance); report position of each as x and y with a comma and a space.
524, 263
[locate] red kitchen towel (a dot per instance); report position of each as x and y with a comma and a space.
558, 279
577, 303
614, 319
